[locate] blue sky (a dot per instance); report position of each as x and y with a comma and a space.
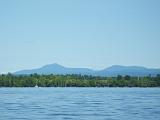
79, 33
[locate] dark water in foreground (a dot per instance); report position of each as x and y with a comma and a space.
79, 103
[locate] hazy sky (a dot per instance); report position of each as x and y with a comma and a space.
79, 33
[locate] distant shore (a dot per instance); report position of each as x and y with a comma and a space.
35, 80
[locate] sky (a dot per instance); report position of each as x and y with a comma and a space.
79, 33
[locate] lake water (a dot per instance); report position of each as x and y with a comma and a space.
79, 103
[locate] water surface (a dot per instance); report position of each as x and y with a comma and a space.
80, 103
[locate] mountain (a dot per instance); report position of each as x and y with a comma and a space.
110, 71
128, 70
56, 69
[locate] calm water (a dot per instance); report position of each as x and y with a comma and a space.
79, 103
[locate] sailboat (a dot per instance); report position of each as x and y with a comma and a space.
36, 86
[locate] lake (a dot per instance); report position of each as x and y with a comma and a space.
80, 103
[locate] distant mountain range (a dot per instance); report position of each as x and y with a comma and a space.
110, 71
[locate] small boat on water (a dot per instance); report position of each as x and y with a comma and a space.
36, 86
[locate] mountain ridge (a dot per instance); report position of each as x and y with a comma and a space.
113, 70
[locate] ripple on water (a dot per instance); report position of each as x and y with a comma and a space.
79, 103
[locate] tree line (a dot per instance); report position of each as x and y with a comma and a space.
10, 80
